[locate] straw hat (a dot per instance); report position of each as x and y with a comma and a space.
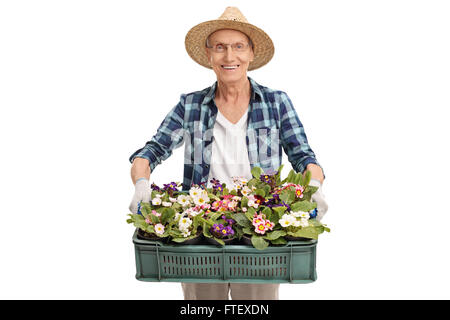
232, 18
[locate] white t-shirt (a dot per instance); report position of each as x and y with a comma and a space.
229, 156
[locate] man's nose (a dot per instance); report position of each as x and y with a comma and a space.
229, 55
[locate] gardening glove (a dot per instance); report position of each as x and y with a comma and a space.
319, 198
141, 193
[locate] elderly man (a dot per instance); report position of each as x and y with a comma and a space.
228, 128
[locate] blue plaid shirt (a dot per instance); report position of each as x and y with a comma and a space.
272, 124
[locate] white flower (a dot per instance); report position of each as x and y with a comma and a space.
252, 203
185, 233
232, 204
183, 200
172, 199
297, 223
201, 199
246, 191
156, 201
236, 198
159, 228
285, 222
194, 192
167, 204
184, 223
304, 215
300, 214
304, 222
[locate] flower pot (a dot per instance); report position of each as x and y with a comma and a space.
246, 240
291, 238
198, 240
150, 236
229, 241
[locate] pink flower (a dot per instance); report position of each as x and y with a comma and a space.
269, 225
260, 228
258, 220
205, 206
156, 213
216, 204
299, 191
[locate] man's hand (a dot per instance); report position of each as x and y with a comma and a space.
142, 193
318, 197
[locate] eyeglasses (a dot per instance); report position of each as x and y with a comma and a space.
222, 47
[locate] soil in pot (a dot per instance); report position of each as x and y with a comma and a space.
229, 241
150, 236
198, 240
246, 240
291, 238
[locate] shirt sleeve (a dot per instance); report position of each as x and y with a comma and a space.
170, 135
293, 137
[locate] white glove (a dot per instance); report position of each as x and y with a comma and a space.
319, 198
142, 193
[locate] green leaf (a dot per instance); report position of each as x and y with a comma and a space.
290, 177
304, 206
150, 229
279, 241
206, 227
298, 178
267, 190
279, 210
278, 175
249, 216
275, 234
154, 219
307, 178
284, 195
220, 241
242, 220
167, 215
307, 232
267, 211
244, 202
146, 209
257, 172
260, 192
259, 243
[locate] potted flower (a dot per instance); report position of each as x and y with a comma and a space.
260, 228
270, 202
220, 228
152, 224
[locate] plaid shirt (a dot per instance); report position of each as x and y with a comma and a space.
272, 124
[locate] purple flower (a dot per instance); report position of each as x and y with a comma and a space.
155, 187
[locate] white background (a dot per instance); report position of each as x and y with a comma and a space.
83, 84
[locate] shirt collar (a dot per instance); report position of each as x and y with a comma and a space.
256, 91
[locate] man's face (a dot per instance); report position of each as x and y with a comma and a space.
230, 54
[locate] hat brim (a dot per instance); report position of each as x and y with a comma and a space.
195, 41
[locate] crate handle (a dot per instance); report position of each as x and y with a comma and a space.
159, 266
223, 264
290, 266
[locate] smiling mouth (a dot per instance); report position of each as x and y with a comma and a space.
234, 67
